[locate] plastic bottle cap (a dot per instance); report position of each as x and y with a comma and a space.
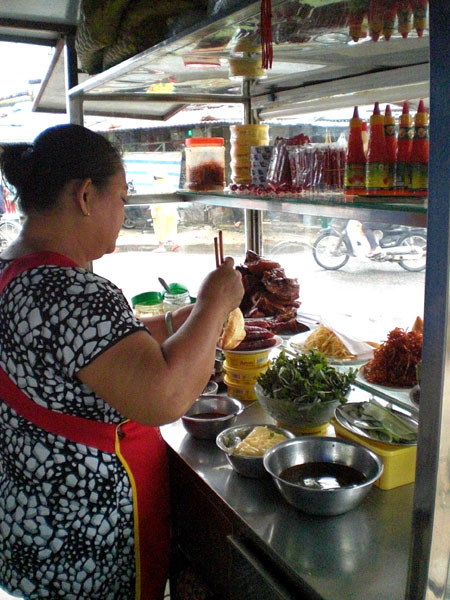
176, 288
147, 299
212, 141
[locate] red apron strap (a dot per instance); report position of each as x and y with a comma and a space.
76, 429
30, 261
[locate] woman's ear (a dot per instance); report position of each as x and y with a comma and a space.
83, 196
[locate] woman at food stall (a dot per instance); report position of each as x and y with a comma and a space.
84, 384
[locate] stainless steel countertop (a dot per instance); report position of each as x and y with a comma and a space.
361, 555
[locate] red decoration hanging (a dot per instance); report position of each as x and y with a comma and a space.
266, 34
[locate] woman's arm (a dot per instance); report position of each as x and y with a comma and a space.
155, 383
157, 325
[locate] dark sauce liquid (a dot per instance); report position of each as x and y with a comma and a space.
209, 415
322, 475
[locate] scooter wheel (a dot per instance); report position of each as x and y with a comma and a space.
418, 261
331, 251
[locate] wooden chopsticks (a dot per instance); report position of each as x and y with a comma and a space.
218, 249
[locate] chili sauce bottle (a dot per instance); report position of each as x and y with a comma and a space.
419, 8
365, 136
389, 16
376, 17
404, 146
404, 16
355, 160
377, 166
391, 142
419, 151
357, 14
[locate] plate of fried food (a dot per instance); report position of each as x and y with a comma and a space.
338, 348
239, 336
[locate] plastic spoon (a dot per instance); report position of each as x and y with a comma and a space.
164, 284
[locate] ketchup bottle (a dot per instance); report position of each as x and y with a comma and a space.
377, 167
391, 142
355, 160
419, 151
404, 146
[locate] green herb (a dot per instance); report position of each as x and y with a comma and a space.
385, 425
306, 379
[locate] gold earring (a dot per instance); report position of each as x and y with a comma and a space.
88, 214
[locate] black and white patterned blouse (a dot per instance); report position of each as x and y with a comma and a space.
66, 514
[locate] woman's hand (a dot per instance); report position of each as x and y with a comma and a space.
223, 285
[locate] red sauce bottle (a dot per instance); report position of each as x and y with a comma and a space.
357, 14
420, 15
355, 160
377, 167
419, 151
391, 142
404, 146
404, 16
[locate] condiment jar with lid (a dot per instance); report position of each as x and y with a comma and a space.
177, 297
148, 304
205, 164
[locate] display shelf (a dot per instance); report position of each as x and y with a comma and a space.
312, 49
323, 205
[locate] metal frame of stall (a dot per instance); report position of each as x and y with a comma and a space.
429, 577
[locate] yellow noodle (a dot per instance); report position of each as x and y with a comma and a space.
258, 441
326, 341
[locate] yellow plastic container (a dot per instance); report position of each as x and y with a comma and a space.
246, 393
399, 462
247, 360
243, 376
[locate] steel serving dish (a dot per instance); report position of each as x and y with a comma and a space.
249, 466
310, 449
225, 409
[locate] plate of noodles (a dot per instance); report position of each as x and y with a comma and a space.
330, 345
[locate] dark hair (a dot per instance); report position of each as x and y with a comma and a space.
39, 171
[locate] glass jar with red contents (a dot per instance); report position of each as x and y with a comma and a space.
205, 164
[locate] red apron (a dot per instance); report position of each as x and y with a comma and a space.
140, 449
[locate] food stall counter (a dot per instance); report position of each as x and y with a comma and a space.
231, 526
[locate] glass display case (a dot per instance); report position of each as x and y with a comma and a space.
320, 63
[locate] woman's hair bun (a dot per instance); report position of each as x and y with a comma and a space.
15, 162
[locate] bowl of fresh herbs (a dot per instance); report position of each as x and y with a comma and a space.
302, 391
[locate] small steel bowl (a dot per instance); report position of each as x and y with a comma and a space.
311, 449
210, 388
209, 428
249, 466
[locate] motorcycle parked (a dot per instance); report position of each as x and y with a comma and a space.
404, 245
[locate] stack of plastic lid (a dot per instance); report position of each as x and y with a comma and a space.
259, 163
242, 370
242, 138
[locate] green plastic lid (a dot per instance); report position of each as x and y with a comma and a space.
147, 299
176, 288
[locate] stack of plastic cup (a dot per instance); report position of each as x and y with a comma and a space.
259, 163
242, 138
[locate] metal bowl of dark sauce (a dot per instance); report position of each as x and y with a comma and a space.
211, 414
323, 475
